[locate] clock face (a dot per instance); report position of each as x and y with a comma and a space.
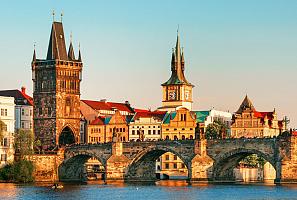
172, 95
187, 95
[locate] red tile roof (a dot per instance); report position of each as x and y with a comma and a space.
148, 114
20, 97
294, 133
97, 121
103, 105
264, 114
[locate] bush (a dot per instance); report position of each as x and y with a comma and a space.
20, 171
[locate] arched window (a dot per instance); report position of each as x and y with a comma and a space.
175, 137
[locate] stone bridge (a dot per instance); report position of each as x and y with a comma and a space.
206, 160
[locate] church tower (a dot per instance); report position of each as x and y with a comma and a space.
56, 92
177, 91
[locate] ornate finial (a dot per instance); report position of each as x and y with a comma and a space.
53, 13
34, 45
177, 29
71, 36
61, 17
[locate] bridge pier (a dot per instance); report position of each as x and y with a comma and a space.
117, 164
287, 161
201, 165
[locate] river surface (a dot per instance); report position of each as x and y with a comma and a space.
155, 191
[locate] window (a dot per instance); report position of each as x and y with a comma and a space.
175, 157
5, 142
182, 165
149, 132
123, 129
174, 165
23, 125
133, 132
167, 157
167, 129
30, 112
166, 165
3, 157
159, 132
154, 132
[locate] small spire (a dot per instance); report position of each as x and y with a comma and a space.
34, 53
71, 55
79, 54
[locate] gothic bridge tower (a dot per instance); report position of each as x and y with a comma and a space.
177, 91
56, 92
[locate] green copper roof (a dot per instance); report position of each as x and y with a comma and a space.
201, 116
168, 117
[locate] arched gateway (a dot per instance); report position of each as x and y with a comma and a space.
66, 137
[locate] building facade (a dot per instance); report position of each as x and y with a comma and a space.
248, 122
179, 125
56, 92
146, 125
177, 91
7, 123
23, 110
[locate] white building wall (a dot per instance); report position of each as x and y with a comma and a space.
7, 116
216, 114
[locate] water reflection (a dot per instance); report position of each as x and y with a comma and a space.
168, 189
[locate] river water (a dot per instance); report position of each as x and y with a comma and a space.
154, 191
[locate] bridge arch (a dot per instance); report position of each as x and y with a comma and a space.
73, 167
226, 162
143, 165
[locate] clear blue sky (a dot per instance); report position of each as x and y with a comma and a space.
232, 48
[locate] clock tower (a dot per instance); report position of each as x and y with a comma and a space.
177, 91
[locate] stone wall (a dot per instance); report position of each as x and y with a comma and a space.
46, 166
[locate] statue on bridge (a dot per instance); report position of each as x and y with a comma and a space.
116, 137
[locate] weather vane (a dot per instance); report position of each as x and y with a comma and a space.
61, 16
53, 13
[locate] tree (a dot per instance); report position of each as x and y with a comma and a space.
216, 130
23, 142
253, 161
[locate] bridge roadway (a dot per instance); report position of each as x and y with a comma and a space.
206, 160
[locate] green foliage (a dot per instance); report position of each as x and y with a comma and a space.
253, 161
23, 142
2, 125
216, 130
20, 171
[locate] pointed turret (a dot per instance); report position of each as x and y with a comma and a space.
182, 60
79, 55
57, 47
71, 55
173, 61
246, 105
34, 56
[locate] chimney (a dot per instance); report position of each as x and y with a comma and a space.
127, 102
103, 100
23, 90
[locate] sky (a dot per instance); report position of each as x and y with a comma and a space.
232, 48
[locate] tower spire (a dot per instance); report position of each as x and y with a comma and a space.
79, 54
71, 55
34, 53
